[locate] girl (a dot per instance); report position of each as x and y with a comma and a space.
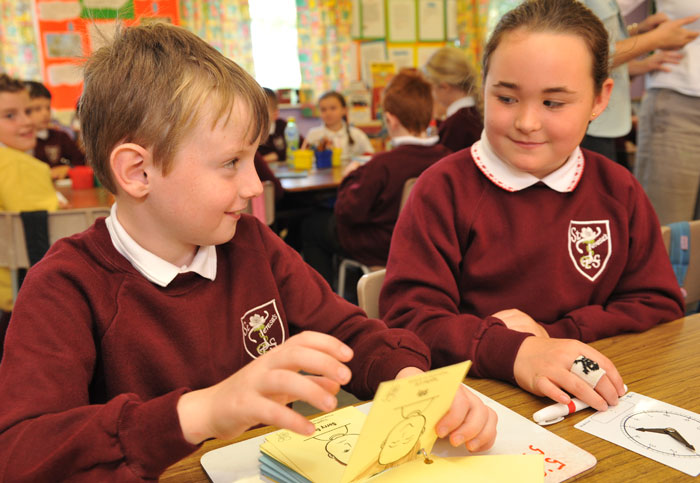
336, 131
518, 251
454, 85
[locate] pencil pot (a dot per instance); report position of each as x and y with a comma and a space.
303, 159
82, 177
336, 158
323, 158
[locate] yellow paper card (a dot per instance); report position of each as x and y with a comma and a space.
474, 469
324, 455
402, 420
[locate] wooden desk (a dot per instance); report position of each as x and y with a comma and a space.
315, 180
87, 198
662, 363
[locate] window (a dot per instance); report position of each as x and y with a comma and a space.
273, 29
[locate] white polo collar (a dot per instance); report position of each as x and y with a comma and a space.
467, 101
151, 266
42, 134
429, 141
565, 179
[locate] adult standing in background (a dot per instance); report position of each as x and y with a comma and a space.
454, 87
668, 145
655, 32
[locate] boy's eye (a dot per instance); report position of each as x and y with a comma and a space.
231, 164
553, 104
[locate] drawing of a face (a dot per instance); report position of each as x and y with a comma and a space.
402, 439
340, 446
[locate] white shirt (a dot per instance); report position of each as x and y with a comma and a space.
684, 77
467, 101
564, 179
151, 266
399, 140
340, 139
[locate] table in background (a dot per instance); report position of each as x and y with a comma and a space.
662, 363
315, 179
87, 198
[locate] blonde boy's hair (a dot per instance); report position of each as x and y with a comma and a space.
451, 66
148, 87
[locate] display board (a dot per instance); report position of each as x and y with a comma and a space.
69, 30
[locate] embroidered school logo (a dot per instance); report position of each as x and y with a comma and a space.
589, 246
52, 153
262, 329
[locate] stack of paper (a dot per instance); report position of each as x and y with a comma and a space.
389, 444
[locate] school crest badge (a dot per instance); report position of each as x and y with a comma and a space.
262, 329
52, 153
590, 246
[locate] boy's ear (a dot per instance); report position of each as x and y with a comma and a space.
130, 165
601, 100
392, 122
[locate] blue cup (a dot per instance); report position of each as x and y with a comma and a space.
323, 158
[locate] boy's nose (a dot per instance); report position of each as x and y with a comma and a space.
250, 184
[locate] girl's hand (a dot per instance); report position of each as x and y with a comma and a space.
521, 322
543, 367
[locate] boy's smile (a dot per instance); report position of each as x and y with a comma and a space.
535, 115
16, 127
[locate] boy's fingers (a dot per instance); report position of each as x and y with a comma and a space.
486, 437
294, 386
323, 343
274, 414
299, 357
327, 384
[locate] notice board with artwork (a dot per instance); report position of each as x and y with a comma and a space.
69, 30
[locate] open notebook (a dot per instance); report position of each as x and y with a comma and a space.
516, 436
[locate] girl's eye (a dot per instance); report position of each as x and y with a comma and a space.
506, 99
553, 104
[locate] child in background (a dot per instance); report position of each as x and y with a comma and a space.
156, 329
336, 132
517, 252
454, 88
275, 146
370, 194
54, 147
25, 182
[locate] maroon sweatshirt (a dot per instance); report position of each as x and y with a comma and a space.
96, 356
461, 129
58, 145
464, 248
369, 199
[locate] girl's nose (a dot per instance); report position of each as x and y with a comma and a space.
527, 119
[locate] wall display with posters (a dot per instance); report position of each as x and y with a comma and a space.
70, 30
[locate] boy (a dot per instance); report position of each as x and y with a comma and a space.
156, 329
369, 195
25, 183
54, 147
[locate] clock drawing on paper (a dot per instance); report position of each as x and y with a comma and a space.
665, 432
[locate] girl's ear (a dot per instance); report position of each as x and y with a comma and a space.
130, 164
600, 102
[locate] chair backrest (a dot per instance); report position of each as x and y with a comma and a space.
407, 187
368, 289
692, 277
666, 235
61, 223
268, 200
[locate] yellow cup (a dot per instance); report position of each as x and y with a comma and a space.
336, 157
303, 159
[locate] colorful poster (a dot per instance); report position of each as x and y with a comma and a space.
68, 31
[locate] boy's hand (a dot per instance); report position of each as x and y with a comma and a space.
521, 322
672, 36
258, 392
468, 421
352, 166
543, 367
